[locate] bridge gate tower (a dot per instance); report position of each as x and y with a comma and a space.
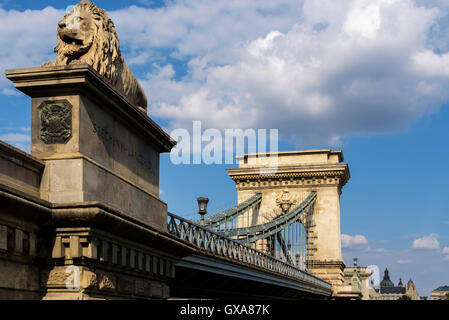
285, 179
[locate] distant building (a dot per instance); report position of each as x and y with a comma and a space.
356, 282
440, 293
388, 291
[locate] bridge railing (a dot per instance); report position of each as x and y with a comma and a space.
215, 243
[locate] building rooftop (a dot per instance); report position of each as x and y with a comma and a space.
392, 290
442, 288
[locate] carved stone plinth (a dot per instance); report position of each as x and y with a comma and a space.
81, 216
89, 262
95, 144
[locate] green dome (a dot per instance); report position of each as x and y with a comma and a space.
386, 282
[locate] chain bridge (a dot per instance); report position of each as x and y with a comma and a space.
86, 208
81, 217
227, 252
283, 235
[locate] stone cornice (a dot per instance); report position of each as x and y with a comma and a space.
87, 214
96, 216
335, 171
293, 152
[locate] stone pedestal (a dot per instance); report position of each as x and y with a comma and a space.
296, 174
97, 147
85, 204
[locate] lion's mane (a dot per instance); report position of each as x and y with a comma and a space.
103, 55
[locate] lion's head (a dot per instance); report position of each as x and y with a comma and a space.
87, 35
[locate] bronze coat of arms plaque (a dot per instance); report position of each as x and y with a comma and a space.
56, 122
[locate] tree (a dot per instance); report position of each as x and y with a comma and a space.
447, 296
405, 297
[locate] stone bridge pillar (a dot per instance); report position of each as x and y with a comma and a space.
81, 217
99, 188
293, 175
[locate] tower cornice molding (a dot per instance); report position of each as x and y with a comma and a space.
298, 175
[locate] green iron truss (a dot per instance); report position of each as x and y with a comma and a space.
266, 230
230, 214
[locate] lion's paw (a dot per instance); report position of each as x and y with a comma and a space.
49, 64
76, 62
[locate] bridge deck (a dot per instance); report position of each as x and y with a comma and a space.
218, 255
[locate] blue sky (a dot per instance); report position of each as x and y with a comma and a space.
367, 77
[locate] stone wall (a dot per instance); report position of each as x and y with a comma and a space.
44, 248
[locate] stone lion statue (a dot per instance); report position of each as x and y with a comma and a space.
87, 35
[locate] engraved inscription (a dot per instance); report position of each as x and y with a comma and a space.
118, 146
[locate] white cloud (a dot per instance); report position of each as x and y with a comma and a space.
199, 27
18, 140
363, 20
403, 261
9, 91
15, 137
27, 40
432, 64
445, 250
356, 241
365, 59
300, 66
429, 242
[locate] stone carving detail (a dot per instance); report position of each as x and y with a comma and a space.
54, 278
90, 280
58, 277
107, 282
285, 201
56, 122
87, 35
